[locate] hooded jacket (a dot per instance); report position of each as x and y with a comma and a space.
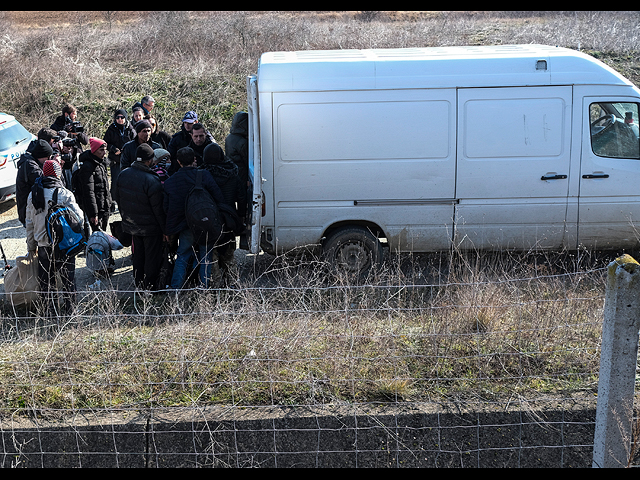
225, 174
236, 145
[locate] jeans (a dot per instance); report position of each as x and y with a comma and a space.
187, 251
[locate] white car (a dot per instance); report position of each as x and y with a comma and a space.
14, 140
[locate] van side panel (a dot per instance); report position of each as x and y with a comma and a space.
385, 157
513, 172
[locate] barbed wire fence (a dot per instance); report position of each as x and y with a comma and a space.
487, 368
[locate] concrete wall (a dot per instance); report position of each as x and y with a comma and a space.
552, 434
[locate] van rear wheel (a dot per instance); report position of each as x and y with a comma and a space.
353, 250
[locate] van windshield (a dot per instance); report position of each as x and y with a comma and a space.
614, 130
12, 136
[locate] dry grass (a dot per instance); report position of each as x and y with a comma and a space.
410, 333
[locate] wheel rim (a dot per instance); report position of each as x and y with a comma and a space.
353, 257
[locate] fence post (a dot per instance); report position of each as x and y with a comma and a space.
618, 359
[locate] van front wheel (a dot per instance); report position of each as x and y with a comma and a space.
353, 250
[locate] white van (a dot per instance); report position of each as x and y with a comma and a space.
499, 147
14, 140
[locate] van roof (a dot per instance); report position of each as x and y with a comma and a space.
432, 67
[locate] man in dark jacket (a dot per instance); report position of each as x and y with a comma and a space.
143, 136
199, 141
117, 135
94, 196
176, 190
140, 198
29, 170
234, 191
182, 138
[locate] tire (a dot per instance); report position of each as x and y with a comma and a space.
353, 250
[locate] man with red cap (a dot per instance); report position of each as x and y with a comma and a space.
38, 241
94, 196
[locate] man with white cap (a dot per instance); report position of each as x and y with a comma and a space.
183, 138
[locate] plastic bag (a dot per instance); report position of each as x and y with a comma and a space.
21, 282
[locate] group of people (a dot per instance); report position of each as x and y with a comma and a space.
151, 174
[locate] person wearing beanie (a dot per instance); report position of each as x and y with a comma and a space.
117, 135
38, 242
162, 163
29, 169
143, 136
139, 196
234, 192
94, 196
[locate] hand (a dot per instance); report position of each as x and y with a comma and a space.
93, 220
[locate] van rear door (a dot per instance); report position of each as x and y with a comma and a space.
513, 167
255, 173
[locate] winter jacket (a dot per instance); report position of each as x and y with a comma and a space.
116, 136
236, 145
140, 197
29, 169
36, 218
94, 197
162, 138
233, 189
199, 149
176, 189
128, 155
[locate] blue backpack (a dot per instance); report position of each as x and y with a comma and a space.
65, 230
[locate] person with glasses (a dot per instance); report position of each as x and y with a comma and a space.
94, 196
118, 133
143, 135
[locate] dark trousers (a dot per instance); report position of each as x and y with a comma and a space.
146, 257
48, 267
103, 221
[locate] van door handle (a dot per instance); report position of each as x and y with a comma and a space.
553, 177
596, 175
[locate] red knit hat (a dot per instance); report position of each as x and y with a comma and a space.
95, 144
51, 168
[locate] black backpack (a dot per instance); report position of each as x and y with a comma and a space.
65, 230
203, 216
